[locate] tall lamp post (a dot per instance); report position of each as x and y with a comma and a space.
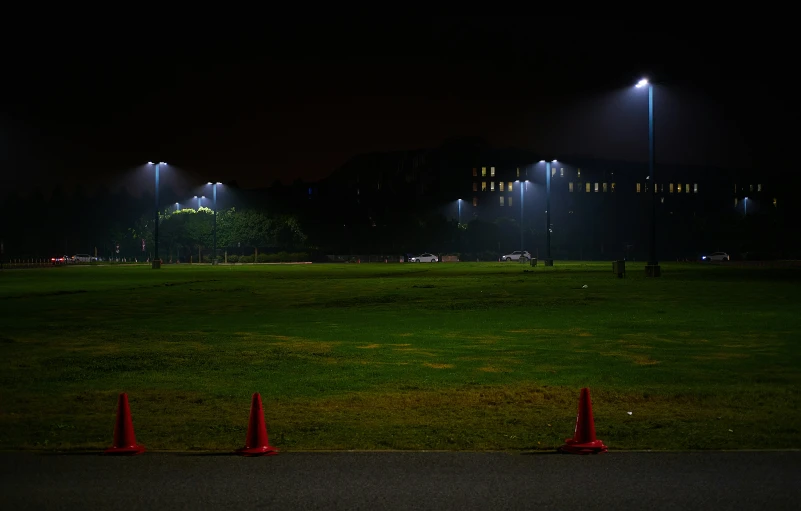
548, 259
652, 269
214, 193
459, 219
198, 200
156, 260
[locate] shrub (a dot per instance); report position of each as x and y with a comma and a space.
233, 258
246, 259
264, 258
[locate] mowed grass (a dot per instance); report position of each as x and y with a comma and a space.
456, 356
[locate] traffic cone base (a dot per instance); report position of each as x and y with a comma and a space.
265, 450
256, 442
573, 447
124, 438
130, 450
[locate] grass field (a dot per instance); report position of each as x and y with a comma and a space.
456, 356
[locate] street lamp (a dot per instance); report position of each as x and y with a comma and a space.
548, 260
214, 254
652, 268
198, 200
745, 205
176, 206
156, 260
521, 184
459, 218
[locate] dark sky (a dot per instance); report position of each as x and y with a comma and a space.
296, 99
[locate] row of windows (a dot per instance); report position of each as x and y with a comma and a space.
508, 200
492, 186
750, 188
661, 188
492, 172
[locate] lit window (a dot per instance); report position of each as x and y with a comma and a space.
475, 172
570, 186
518, 171
774, 202
475, 201
735, 202
750, 188
501, 197
678, 187
509, 186
483, 186
561, 172
695, 187
492, 171
596, 187
579, 172
553, 171
587, 188
509, 201
605, 190
638, 187
500, 186
759, 187
613, 187
687, 188
671, 187
475, 187
483, 171
492, 186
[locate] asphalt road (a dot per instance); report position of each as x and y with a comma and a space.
419, 480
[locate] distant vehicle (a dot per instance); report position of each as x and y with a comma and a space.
517, 255
59, 260
424, 258
82, 258
716, 256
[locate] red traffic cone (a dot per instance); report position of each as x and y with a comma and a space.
124, 438
584, 441
256, 443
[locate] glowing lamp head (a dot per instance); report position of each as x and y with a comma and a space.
642, 83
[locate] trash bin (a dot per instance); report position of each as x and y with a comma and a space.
619, 268
533, 261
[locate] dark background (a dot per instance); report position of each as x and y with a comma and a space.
295, 97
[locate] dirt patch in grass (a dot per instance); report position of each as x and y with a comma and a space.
369, 346
494, 369
439, 366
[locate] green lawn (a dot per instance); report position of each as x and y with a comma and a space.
401, 356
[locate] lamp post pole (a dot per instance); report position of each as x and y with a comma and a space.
522, 204
652, 269
548, 260
214, 194
156, 261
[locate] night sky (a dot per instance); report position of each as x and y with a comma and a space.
295, 100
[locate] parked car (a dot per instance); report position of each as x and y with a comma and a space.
716, 256
517, 255
82, 258
59, 260
424, 258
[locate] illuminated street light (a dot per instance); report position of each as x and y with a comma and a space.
214, 254
156, 260
459, 218
652, 268
198, 200
548, 260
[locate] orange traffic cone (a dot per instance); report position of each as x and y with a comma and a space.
124, 438
256, 443
584, 441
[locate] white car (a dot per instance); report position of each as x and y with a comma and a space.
517, 255
82, 258
424, 258
717, 256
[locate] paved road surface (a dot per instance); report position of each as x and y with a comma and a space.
379, 481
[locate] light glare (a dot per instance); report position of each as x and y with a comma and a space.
642, 83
